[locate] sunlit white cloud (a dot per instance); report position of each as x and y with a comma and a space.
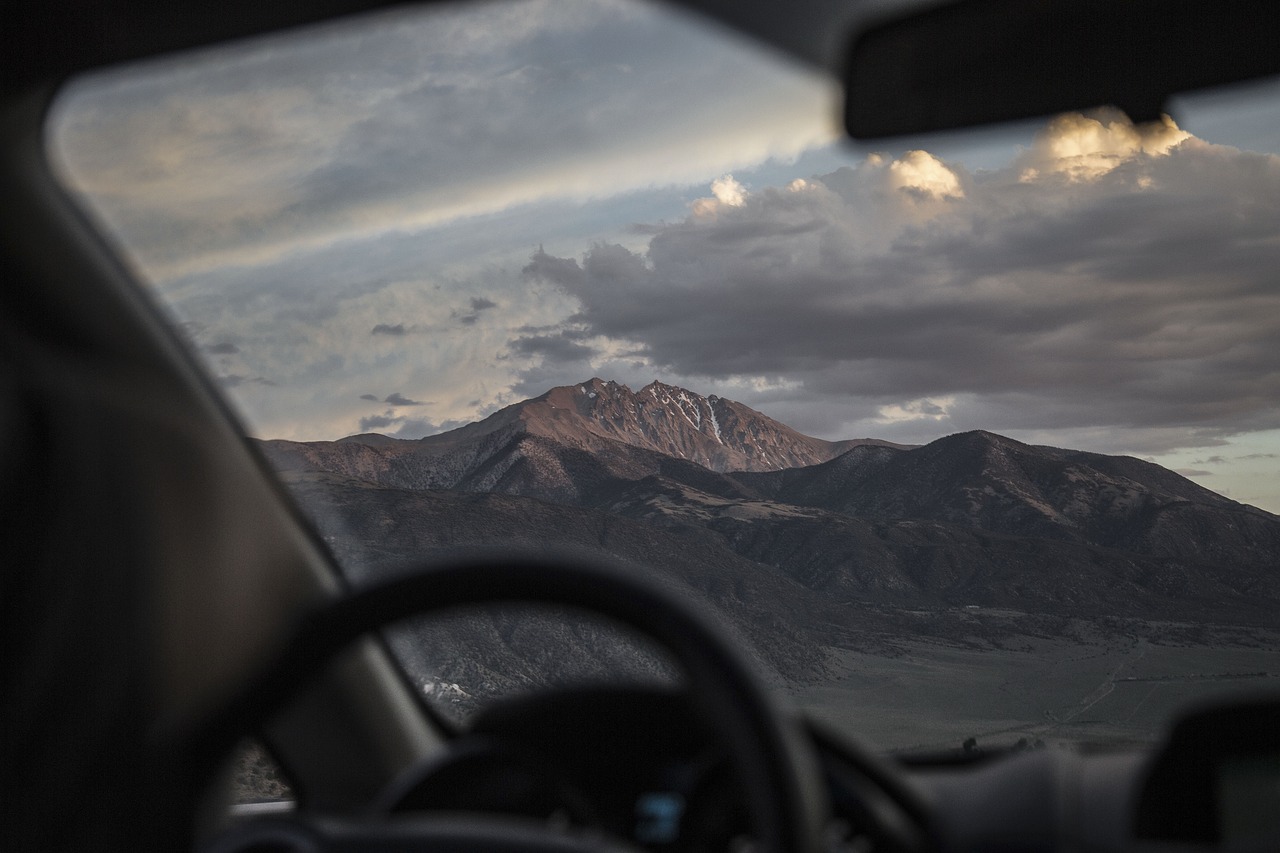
726, 191
926, 410
924, 176
1085, 147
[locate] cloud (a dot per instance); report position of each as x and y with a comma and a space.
399, 426
921, 175
478, 304
397, 330
914, 411
411, 428
234, 380
1129, 284
398, 399
554, 347
376, 422
224, 348
1193, 472
728, 191
413, 120
369, 397
1086, 147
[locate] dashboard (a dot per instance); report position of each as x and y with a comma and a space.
639, 765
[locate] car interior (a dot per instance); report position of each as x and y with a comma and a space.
164, 599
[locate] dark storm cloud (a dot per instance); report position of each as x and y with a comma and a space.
1139, 293
556, 347
565, 354
478, 304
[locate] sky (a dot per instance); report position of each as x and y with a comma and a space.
405, 225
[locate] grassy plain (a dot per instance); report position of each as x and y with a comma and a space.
1102, 685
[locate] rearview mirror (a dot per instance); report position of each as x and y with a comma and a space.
981, 61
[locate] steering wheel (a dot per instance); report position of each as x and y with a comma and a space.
778, 771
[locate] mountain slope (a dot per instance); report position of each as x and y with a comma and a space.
874, 541
376, 531
984, 481
506, 461
585, 444
913, 563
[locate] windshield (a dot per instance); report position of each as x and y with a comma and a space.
971, 441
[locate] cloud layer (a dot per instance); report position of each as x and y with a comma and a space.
1112, 277
417, 118
349, 223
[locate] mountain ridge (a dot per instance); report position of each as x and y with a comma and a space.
876, 540
985, 481
551, 445
712, 431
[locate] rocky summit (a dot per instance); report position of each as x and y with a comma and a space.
714, 432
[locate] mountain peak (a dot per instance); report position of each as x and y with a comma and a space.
712, 431
595, 383
657, 387
981, 437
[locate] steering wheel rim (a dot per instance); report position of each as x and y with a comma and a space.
780, 776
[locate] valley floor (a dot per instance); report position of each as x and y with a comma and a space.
1094, 688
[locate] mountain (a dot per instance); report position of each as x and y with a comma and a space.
376, 531
800, 544
565, 443
982, 481
713, 432
594, 416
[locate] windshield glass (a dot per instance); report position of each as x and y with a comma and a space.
971, 441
